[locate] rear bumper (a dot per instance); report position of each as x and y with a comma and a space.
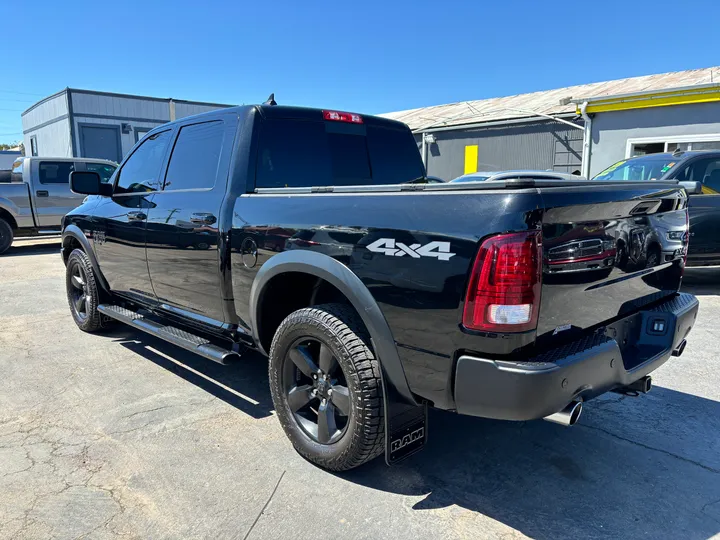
621, 354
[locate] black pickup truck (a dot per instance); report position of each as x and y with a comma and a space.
309, 235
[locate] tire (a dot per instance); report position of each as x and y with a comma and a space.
653, 257
333, 331
6, 236
621, 258
83, 293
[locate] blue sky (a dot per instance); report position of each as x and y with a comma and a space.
368, 56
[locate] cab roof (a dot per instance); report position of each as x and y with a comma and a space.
291, 112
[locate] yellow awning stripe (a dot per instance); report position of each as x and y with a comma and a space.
659, 99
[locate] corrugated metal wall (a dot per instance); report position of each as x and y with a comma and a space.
103, 109
140, 112
48, 123
50, 119
53, 140
183, 109
536, 145
611, 130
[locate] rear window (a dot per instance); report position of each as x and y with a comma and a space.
302, 153
17, 171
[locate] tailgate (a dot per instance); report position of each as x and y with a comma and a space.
608, 250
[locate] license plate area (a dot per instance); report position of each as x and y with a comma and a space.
642, 336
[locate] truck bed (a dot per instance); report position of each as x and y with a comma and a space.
422, 297
15, 197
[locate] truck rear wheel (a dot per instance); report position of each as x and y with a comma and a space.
6, 235
83, 293
326, 387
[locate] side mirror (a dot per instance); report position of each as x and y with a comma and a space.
88, 183
692, 188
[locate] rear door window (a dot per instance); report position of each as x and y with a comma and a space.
302, 153
55, 172
195, 157
706, 171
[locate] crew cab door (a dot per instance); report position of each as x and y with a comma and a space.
184, 221
703, 209
119, 221
50, 191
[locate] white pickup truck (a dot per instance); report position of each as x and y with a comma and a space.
38, 195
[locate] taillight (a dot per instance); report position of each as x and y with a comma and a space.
338, 116
504, 290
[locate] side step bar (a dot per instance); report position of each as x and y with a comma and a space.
176, 336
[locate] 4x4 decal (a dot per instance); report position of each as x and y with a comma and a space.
388, 246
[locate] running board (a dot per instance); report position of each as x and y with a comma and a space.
176, 336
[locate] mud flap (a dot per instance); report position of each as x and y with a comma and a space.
406, 427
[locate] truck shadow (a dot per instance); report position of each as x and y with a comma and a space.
702, 281
21, 249
243, 385
631, 467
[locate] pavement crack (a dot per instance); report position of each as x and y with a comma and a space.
648, 447
264, 507
122, 432
711, 503
147, 411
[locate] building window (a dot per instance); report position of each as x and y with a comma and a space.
140, 133
683, 143
33, 146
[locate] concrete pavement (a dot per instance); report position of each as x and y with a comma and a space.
121, 435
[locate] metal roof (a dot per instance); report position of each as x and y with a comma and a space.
115, 94
546, 102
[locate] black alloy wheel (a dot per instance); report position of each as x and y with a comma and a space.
83, 293
78, 291
326, 386
316, 390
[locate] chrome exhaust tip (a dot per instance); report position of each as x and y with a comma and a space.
568, 416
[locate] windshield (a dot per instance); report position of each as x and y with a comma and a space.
105, 171
643, 168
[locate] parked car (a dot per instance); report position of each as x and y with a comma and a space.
699, 172
385, 298
482, 176
38, 195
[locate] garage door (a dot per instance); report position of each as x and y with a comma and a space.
100, 142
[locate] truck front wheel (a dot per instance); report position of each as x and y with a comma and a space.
6, 236
326, 387
83, 293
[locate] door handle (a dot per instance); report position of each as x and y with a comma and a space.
42, 193
136, 216
202, 218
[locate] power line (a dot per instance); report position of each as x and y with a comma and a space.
18, 100
14, 110
8, 134
21, 93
